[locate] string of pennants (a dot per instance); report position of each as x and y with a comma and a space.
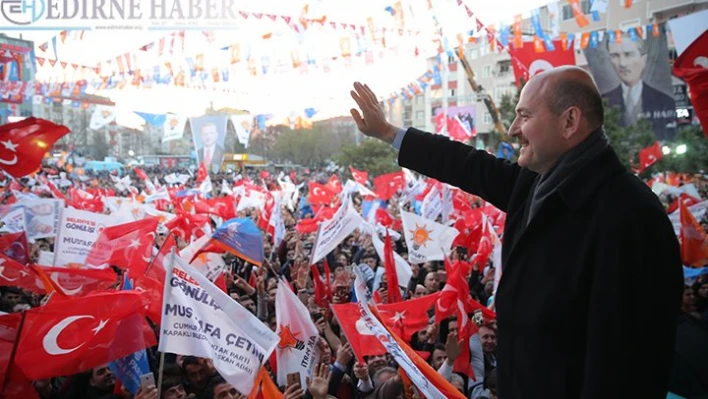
500, 40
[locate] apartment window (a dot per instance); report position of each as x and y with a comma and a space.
419, 100
504, 67
451, 59
420, 115
632, 23
567, 12
407, 114
487, 118
487, 71
473, 53
452, 93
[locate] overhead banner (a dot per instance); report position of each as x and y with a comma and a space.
198, 319
527, 62
78, 230
102, 115
173, 128
632, 71
209, 133
243, 124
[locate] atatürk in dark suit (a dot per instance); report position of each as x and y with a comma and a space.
591, 287
216, 158
657, 107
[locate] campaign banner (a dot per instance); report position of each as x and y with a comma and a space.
243, 124
42, 217
14, 220
78, 230
209, 134
210, 264
198, 319
426, 387
173, 127
631, 69
426, 240
335, 230
46, 258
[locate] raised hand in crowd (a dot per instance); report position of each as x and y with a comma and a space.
361, 371
294, 392
453, 347
345, 354
319, 385
147, 393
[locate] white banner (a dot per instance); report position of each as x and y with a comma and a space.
426, 388
45, 258
335, 230
102, 115
243, 125
14, 220
198, 319
426, 240
78, 230
297, 351
432, 205
447, 206
209, 264
403, 269
173, 127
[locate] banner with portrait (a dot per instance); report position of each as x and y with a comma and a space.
631, 69
209, 133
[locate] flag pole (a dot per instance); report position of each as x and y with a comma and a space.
13, 353
165, 297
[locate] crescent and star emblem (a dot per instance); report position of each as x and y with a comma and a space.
50, 339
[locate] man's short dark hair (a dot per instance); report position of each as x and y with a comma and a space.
211, 386
574, 93
190, 361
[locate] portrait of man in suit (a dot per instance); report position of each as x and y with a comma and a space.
635, 96
209, 134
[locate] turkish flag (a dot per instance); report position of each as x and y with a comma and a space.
127, 245
687, 199
649, 156
77, 282
320, 194
13, 274
457, 130
201, 173
394, 293
334, 184
387, 185
363, 341
15, 247
84, 200
527, 62
71, 336
440, 121
141, 174
408, 317
307, 226
17, 385
359, 176
224, 207
694, 240
185, 225
692, 67
24, 144
152, 284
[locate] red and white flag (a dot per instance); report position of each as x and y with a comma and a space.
527, 62
13, 383
649, 156
297, 350
78, 282
692, 67
70, 336
127, 245
13, 274
359, 176
386, 186
24, 144
694, 240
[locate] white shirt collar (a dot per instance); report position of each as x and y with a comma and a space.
635, 91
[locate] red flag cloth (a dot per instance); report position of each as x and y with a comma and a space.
128, 246
141, 174
363, 341
185, 225
15, 247
649, 156
78, 282
152, 284
439, 121
224, 207
394, 293
334, 184
13, 383
408, 317
321, 298
71, 336
83, 200
320, 194
694, 240
307, 226
692, 67
688, 200
24, 144
13, 274
201, 173
359, 176
458, 131
328, 281
386, 186
527, 62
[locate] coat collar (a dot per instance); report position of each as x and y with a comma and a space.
580, 187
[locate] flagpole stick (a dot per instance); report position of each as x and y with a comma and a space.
14, 352
173, 255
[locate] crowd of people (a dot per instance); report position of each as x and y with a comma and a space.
340, 375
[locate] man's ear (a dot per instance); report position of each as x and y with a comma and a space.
571, 120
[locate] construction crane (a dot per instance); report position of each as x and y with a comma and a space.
488, 101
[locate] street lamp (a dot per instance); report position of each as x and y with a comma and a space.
131, 153
681, 149
666, 150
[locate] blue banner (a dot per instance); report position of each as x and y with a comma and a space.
153, 119
241, 237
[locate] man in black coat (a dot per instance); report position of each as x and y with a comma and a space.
592, 279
